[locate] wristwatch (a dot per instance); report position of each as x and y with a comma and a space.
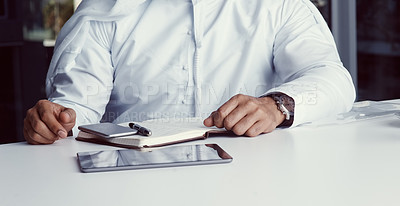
286, 105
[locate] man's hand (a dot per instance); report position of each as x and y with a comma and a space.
47, 122
246, 115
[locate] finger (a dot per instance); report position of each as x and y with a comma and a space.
236, 115
255, 124
225, 110
33, 137
27, 136
36, 139
258, 128
49, 118
244, 124
208, 122
217, 119
254, 119
38, 130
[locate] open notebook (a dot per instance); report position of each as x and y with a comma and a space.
164, 132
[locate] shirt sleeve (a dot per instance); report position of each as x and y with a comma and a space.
308, 65
83, 80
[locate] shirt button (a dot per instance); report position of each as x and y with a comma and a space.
183, 101
184, 68
189, 32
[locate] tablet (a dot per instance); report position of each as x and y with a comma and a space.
172, 156
107, 130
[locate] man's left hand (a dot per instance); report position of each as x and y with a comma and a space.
246, 115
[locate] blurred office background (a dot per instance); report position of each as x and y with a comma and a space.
367, 33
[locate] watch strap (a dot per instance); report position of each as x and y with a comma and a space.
286, 105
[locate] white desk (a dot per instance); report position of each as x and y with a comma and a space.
352, 164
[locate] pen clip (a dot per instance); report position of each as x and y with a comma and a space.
140, 130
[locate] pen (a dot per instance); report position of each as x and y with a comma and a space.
141, 130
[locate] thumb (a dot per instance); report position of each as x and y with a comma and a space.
67, 118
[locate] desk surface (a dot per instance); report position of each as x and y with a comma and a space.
351, 164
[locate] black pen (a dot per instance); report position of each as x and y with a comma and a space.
141, 130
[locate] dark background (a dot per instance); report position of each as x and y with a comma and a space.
24, 65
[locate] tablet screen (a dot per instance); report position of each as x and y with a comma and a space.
162, 157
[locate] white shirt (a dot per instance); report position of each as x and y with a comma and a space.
128, 60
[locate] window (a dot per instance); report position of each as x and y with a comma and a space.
43, 19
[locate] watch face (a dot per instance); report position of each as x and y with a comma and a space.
288, 102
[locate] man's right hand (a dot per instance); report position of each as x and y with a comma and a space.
47, 122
